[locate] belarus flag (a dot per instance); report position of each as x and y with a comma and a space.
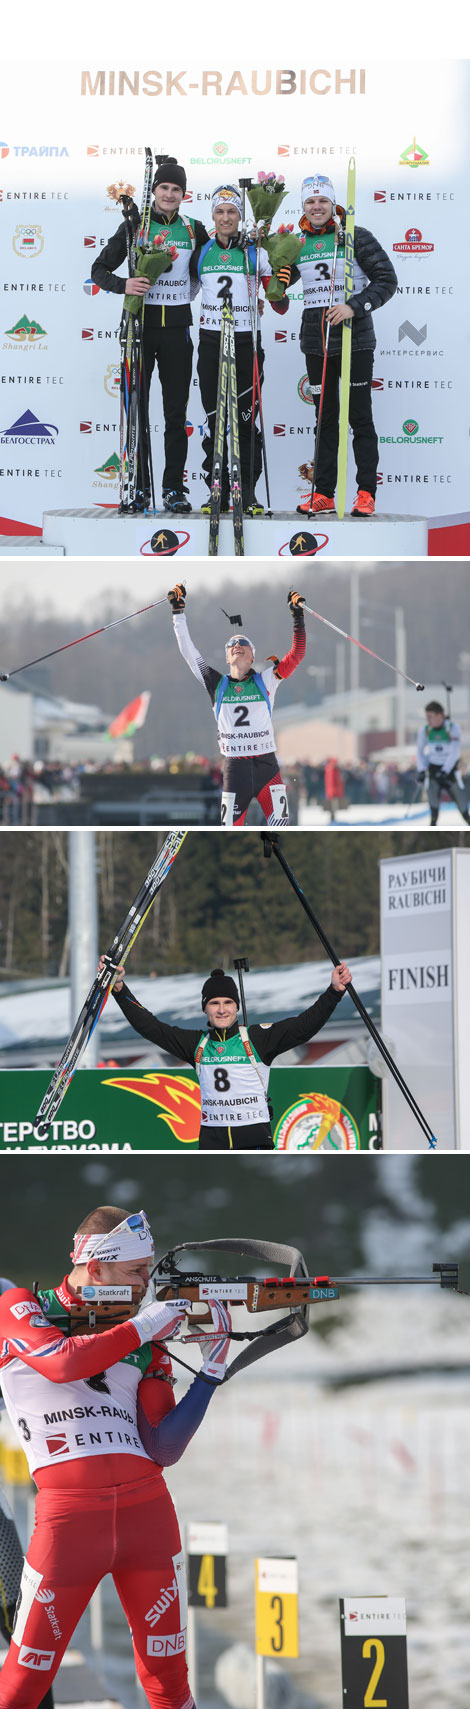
131, 718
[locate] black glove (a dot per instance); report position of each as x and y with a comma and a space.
177, 596
295, 601
284, 275
420, 776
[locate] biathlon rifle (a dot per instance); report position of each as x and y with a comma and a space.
96, 1308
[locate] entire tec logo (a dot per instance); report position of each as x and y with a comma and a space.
413, 244
28, 241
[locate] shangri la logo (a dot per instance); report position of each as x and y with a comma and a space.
28, 241
109, 470
26, 331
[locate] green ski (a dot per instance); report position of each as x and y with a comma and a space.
346, 343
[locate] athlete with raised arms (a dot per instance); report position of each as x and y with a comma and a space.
96, 1417
242, 700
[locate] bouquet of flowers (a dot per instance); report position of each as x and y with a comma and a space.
283, 249
153, 258
266, 196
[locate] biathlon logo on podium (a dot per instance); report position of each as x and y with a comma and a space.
26, 332
27, 430
303, 545
317, 1122
414, 155
164, 543
413, 244
28, 241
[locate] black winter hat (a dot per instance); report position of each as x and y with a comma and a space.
219, 984
169, 172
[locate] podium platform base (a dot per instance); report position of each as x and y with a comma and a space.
103, 533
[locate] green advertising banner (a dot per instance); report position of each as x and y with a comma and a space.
314, 1109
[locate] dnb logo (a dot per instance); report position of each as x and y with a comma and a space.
28, 241
176, 1099
305, 390
112, 379
303, 545
317, 1123
164, 543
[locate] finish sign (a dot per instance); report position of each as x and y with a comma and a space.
373, 1652
207, 1545
276, 1606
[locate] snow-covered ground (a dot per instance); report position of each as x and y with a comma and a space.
381, 815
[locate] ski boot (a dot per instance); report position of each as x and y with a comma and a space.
364, 504
255, 508
318, 503
224, 506
175, 500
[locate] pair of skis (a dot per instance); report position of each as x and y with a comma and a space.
226, 405
133, 389
103, 984
342, 465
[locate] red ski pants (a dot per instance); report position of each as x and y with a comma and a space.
131, 1532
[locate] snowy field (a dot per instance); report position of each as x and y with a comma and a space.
381, 816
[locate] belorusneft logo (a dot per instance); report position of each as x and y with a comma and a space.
27, 430
28, 241
413, 244
25, 335
412, 436
220, 152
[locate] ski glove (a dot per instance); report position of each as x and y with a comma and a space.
215, 1347
157, 1321
177, 596
295, 601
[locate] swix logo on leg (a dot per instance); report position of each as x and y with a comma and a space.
41, 1660
164, 1601
168, 1646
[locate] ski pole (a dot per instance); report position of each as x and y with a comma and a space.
271, 843
256, 386
5, 676
355, 643
323, 378
242, 967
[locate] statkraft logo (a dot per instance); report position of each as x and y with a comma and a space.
28, 241
413, 243
27, 430
412, 436
305, 390
414, 155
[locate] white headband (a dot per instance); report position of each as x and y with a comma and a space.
131, 1238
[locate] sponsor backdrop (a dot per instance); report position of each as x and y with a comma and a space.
329, 1109
425, 913
71, 130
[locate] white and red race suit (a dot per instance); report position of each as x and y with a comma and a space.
97, 1419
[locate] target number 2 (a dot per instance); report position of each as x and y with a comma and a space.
370, 1701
